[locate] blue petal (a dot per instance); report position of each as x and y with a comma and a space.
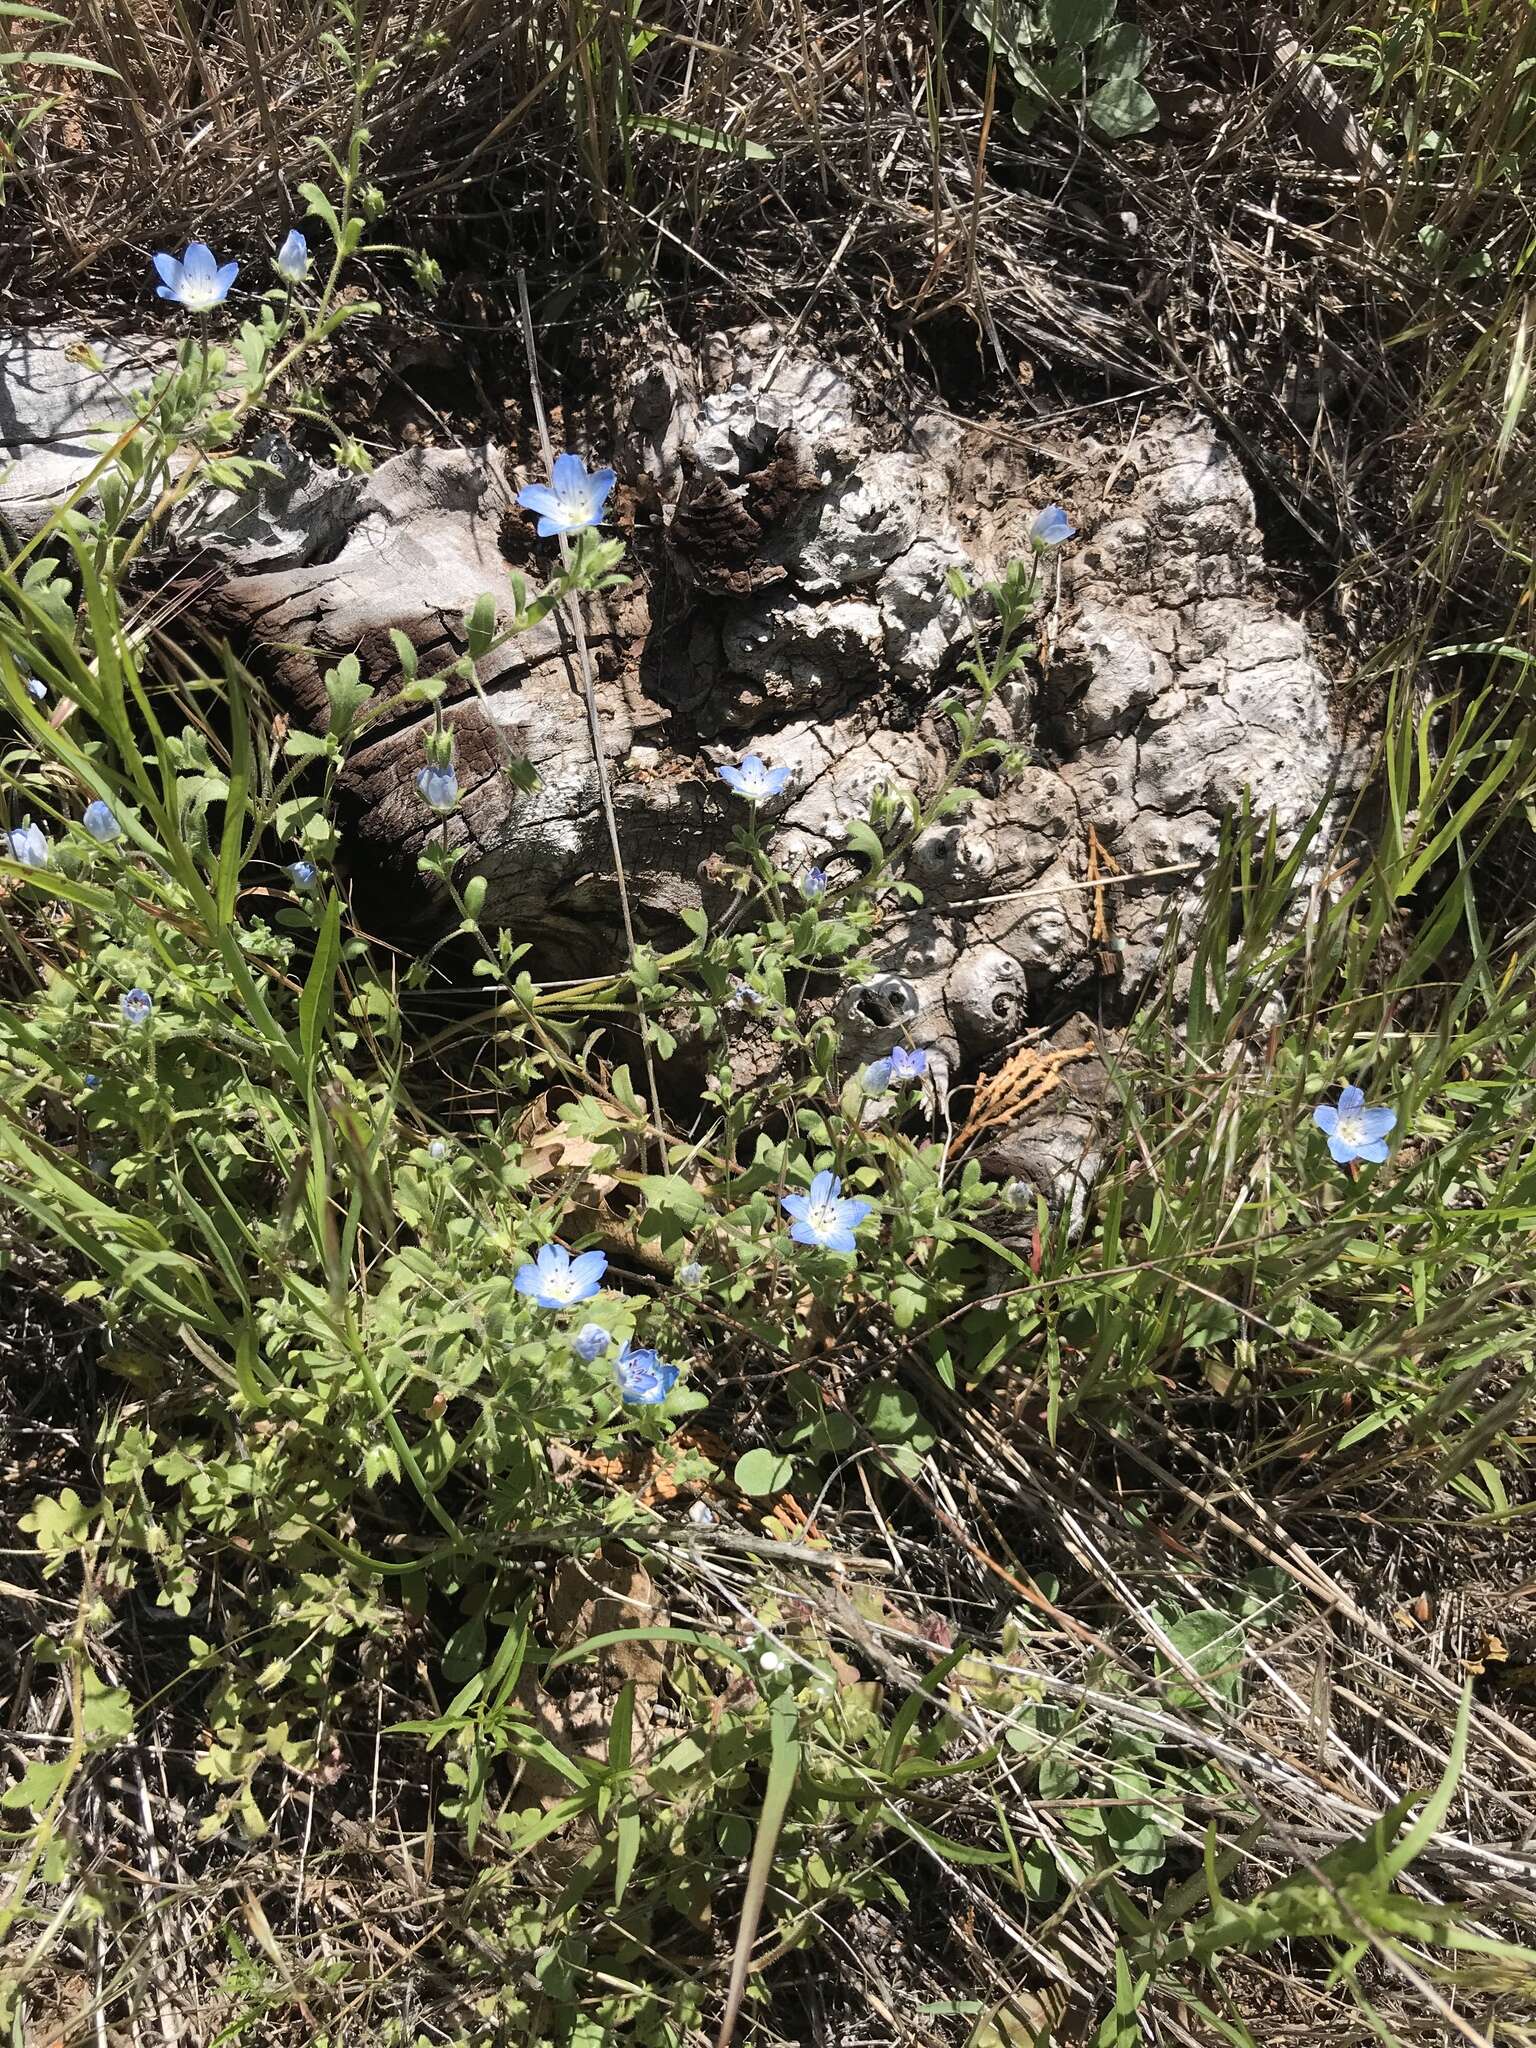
169, 272
877, 1076
589, 1267
569, 475
853, 1211
552, 1258
795, 1205
826, 1187
550, 527
802, 1233
226, 277
1052, 527
1326, 1117
1377, 1122
539, 498
1342, 1149
1351, 1099
754, 767
167, 291
731, 777
839, 1240
1375, 1151
529, 1280
599, 484
198, 262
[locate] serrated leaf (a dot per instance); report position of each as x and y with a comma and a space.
38, 1786
106, 1712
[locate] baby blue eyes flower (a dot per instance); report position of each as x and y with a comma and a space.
292, 260
28, 845
438, 1149
895, 1071
1353, 1131
301, 873
590, 1342
93, 1080
37, 689
556, 1280
100, 822
754, 779
690, 1274
137, 1006
813, 884
825, 1217
196, 282
1051, 528
438, 787
571, 499
644, 1379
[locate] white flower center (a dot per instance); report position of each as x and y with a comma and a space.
198, 294
562, 1285
822, 1218
574, 510
1352, 1129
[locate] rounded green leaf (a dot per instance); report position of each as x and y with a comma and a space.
763, 1472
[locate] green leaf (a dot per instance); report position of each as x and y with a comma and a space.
315, 1002
1074, 24
39, 1785
763, 1472
677, 1199
1211, 1643
322, 209
480, 625
704, 138
58, 60
1120, 53
106, 1711
1122, 107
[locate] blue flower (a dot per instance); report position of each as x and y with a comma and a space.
556, 1280
137, 1006
744, 996
754, 779
196, 282
301, 873
292, 260
438, 787
571, 499
690, 1274
101, 823
591, 1341
813, 884
29, 846
895, 1070
1355, 1132
93, 1080
643, 1378
37, 689
1051, 528
438, 1149
825, 1217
